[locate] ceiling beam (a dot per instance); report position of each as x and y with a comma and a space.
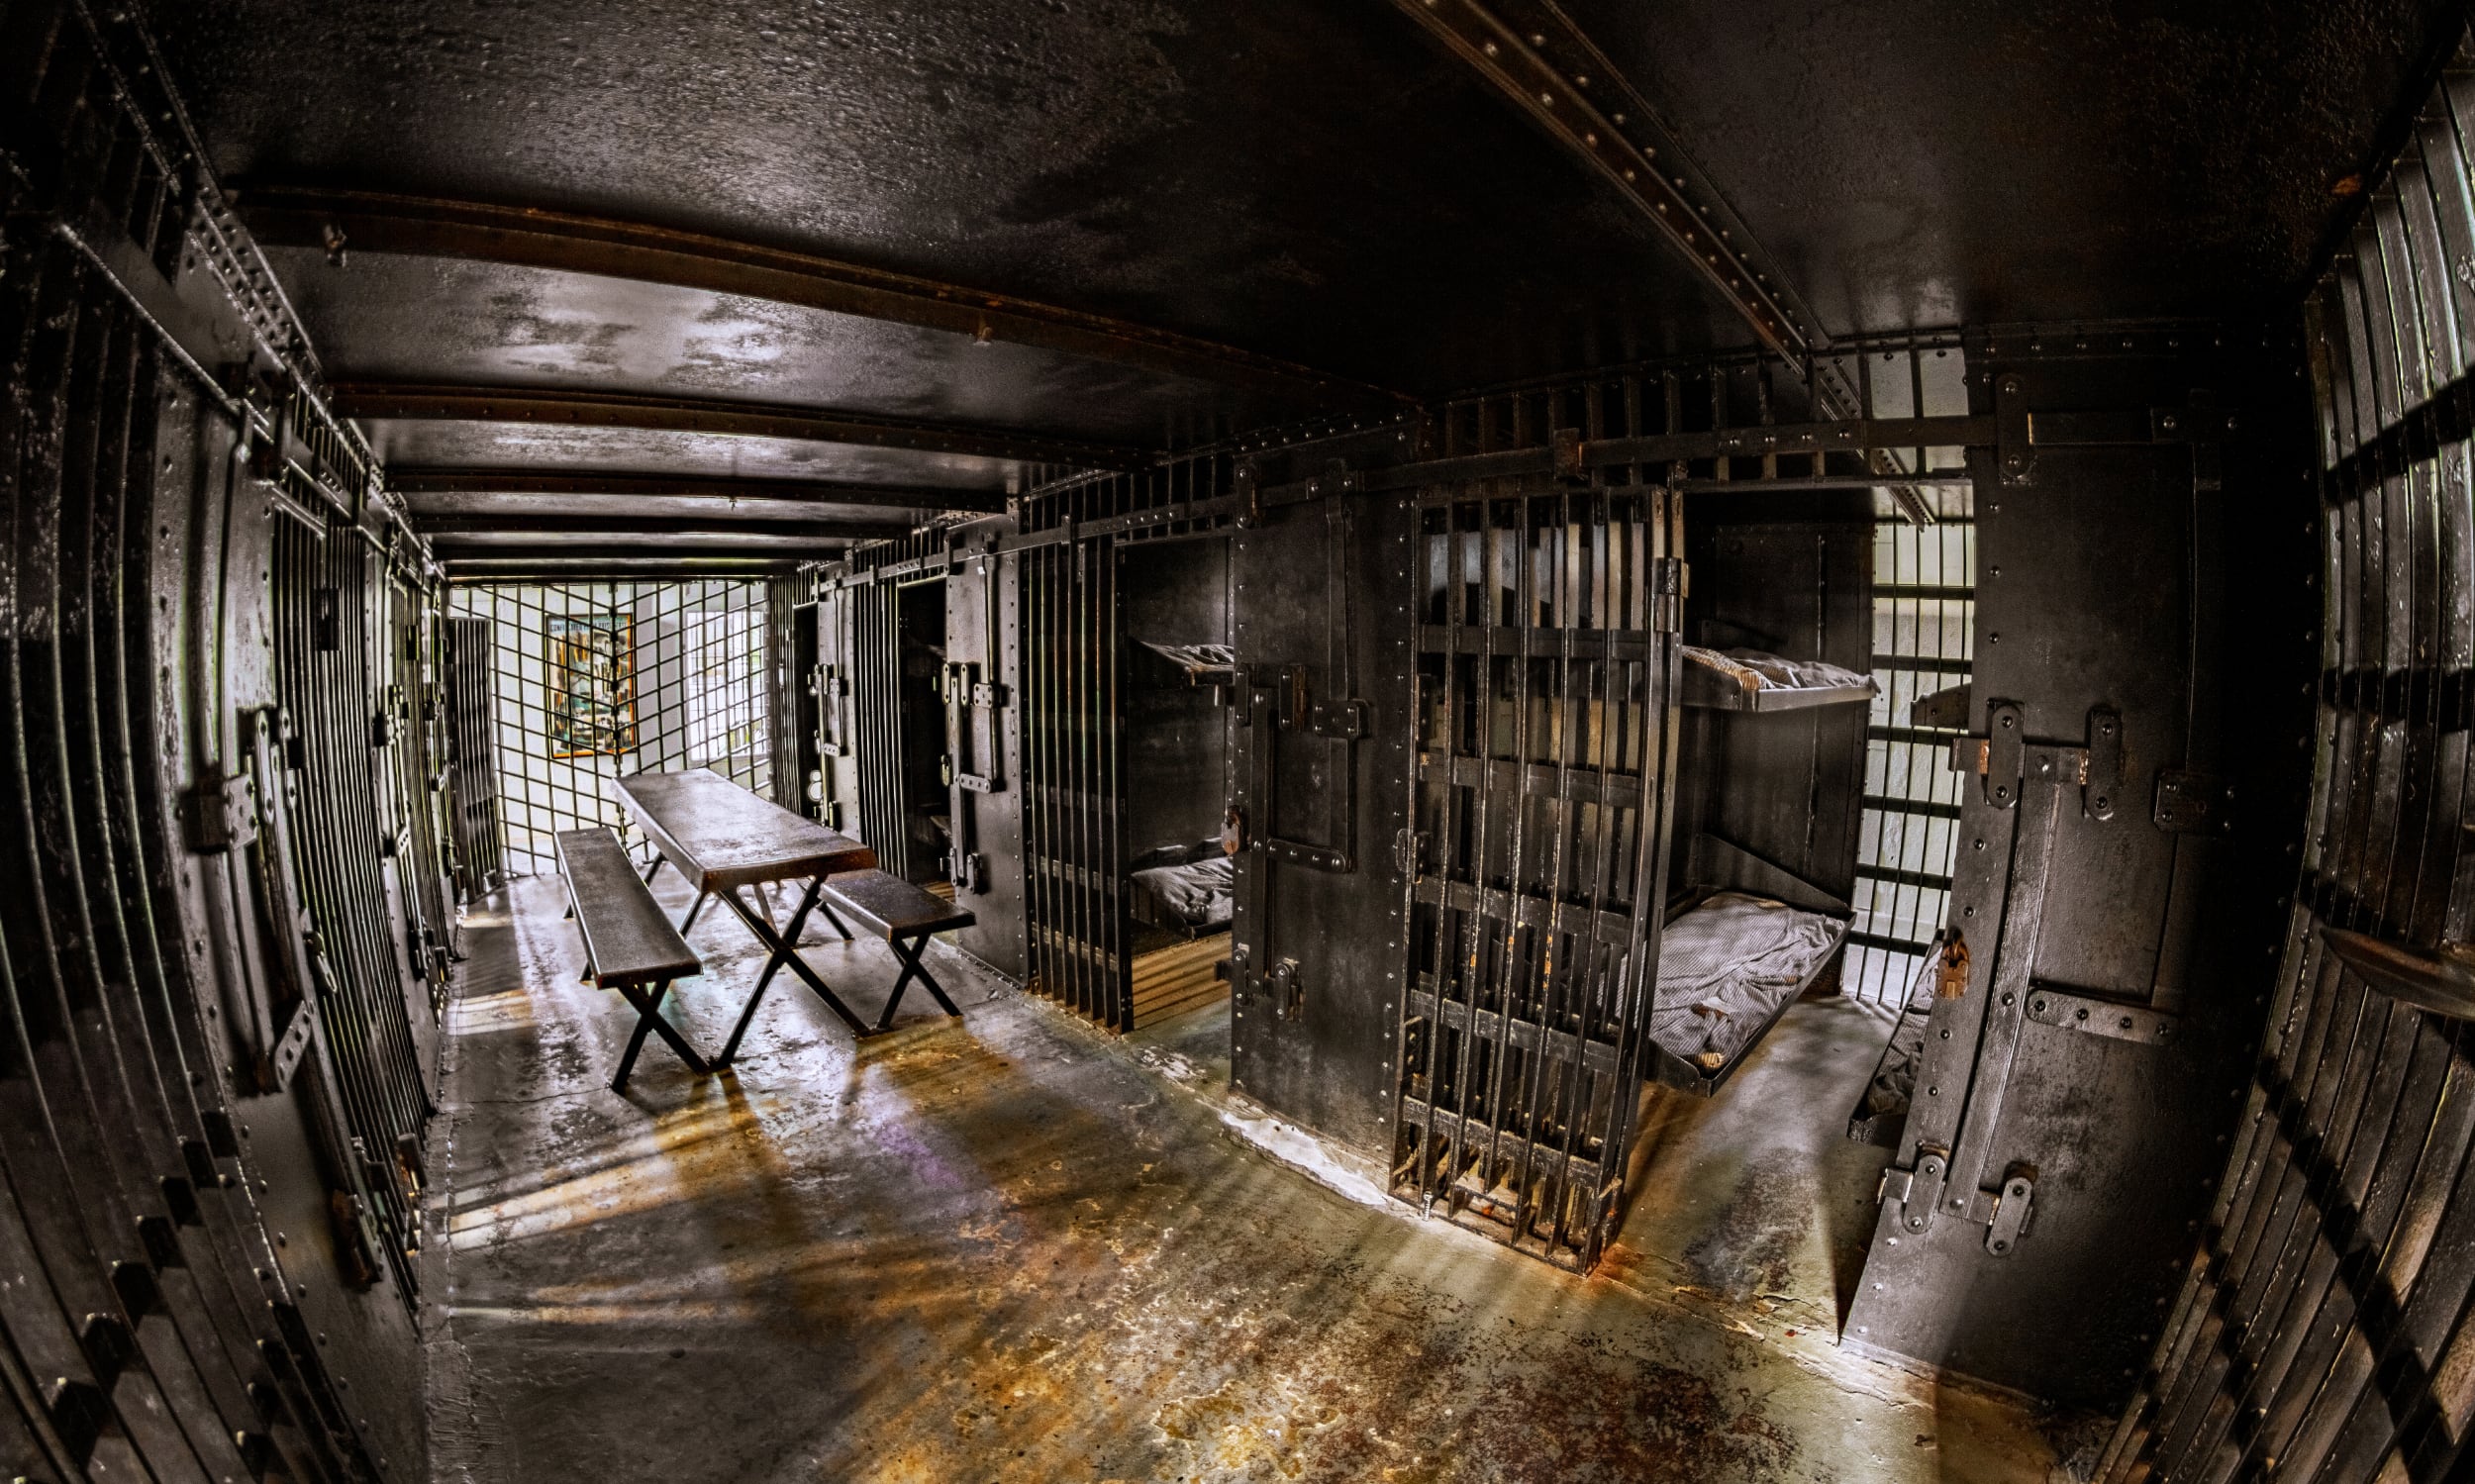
424, 402
344, 222
414, 482
629, 566
449, 527
1539, 60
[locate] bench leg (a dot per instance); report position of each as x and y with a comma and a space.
908, 952
648, 1021
655, 869
693, 907
826, 908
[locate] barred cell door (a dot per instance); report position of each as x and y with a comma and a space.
1073, 788
1544, 745
1322, 603
472, 759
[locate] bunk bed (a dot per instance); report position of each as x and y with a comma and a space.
1743, 942
1184, 889
1757, 680
1214, 665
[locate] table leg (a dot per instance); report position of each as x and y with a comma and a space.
693, 907
784, 954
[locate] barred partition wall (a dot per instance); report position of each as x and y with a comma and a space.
596, 680
1924, 632
2324, 1331
470, 698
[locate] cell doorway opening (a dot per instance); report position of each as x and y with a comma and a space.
1179, 893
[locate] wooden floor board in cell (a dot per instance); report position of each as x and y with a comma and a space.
1174, 980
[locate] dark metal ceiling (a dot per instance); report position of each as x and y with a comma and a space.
1940, 162
1309, 184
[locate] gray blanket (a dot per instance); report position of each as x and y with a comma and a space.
1199, 894
1724, 966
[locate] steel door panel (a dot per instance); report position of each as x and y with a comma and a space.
1322, 620
983, 649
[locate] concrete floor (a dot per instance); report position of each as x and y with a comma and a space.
1013, 1248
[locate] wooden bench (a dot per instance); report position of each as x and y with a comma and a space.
906, 916
629, 943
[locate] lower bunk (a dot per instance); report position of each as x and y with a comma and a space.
1743, 942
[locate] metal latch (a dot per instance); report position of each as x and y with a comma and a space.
2004, 746
1246, 483
1409, 846
1917, 1191
1288, 994
1950, 978
2010, 1211
1670, 581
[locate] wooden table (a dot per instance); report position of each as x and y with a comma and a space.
725, 839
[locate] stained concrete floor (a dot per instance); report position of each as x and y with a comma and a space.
1015, 1248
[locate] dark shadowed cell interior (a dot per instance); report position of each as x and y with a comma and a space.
1414, 741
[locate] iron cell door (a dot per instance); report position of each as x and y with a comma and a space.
1544, 734
2122, 788
472, 759
1322, 598
836, 800
983, 758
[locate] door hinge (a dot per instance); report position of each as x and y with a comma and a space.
2010, 1211
220, 816
2190, 803
2101, 774
1670, 581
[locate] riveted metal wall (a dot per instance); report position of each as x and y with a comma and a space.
2322, 1331
200, 1281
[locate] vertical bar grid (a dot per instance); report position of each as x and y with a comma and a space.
1924, 620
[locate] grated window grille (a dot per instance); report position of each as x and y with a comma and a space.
1924, 642
597, 680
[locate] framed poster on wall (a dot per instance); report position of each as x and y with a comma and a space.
590, 661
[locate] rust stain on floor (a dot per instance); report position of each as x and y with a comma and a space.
1009, 1249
